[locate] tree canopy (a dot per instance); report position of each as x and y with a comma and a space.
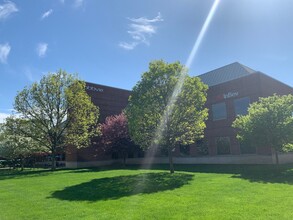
157, 117
115, 136
269, 123
58, 112
14, 146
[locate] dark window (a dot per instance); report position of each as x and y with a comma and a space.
115, 156
247, 148
202, 147
241, 105
130, 155
223, 145
164, 152
140, 153
184, 150
219, 111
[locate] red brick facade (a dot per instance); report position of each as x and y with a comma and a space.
253, 86
112, 101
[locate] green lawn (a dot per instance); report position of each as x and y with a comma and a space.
194, 192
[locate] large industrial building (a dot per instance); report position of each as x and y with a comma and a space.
231, 89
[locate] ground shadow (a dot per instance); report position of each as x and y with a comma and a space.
16, 174
121, 186
254, 173
275, 174
28, 172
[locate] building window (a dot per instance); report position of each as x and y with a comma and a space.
247, 149
219, 111
184, 150
202, 147
115, 156
223, 145
241, 105
164, 152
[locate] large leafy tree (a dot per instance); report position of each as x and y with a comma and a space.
13, 145
58, 112
161, 114
115, 136
269, 122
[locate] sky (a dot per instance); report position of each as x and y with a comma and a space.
112, 42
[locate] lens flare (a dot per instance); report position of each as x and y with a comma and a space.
149, 158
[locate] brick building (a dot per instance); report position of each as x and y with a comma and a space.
231, 89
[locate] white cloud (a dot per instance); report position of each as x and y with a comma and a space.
4, 52
7, 9
78, 3
42, 49
141, 29
8, 113
144, 20
128, 46
47, 14
3, 116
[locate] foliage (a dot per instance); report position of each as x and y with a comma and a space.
269, 122
115, 136
14, 146
58, 112
157, 118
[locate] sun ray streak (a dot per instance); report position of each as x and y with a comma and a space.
149, 158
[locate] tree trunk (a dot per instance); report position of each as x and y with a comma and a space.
22, 163
14, 161
53, 167
124, 159
277, 157
275, 152
170, 160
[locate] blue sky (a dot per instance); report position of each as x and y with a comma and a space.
112, 42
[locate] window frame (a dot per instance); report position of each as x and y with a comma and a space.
217, 147
239, 100
213, 112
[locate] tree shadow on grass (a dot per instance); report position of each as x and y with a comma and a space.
121, 186
29, 172
276, 174
254, 173
17, 174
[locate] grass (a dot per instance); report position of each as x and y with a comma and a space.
194, 192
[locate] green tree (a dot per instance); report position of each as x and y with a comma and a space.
58, 112
14, 146
269, 122
161, 114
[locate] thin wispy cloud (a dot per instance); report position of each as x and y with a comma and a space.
78, 3
29, 75
47, 14
42, 49
7, 9
140, 30
4, 52
128, 46
32, 73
